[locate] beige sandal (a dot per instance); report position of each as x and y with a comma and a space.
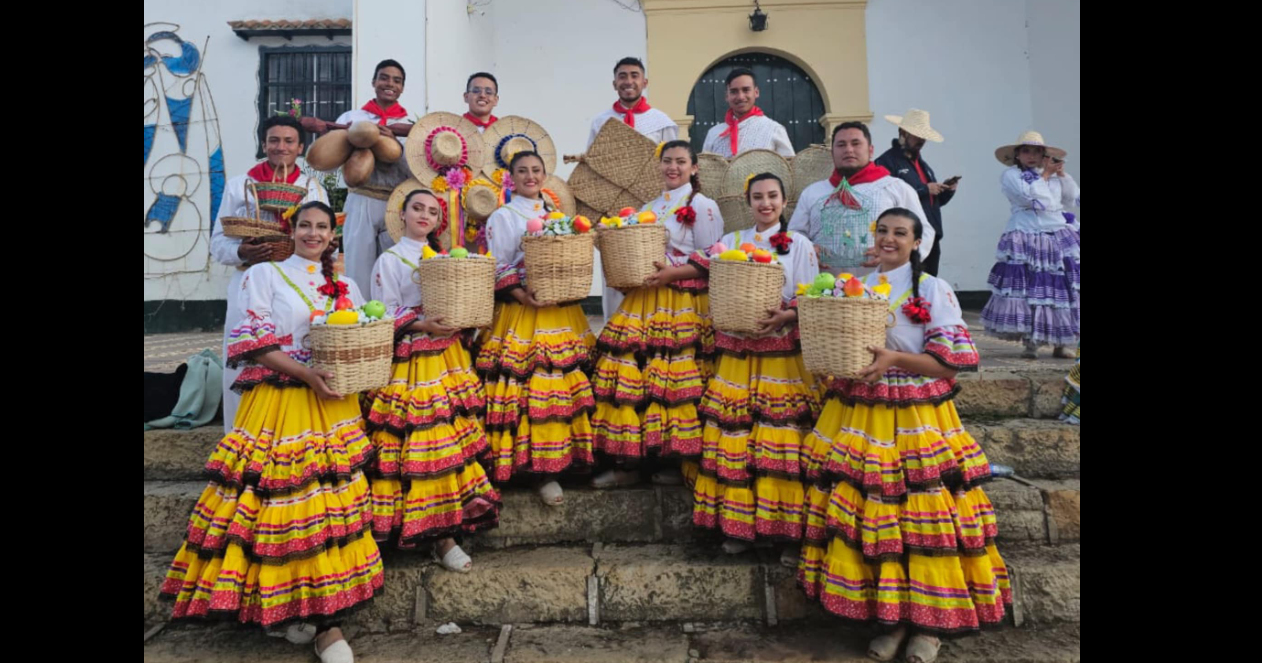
616, 479
551, 494
885, 647
923, 649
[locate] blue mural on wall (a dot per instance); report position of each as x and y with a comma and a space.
178, 101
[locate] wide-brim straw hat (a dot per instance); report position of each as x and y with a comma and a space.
514, 134
916, 123
481, 199
1007, 155
756, 162
394, 207
558, 193
443, 140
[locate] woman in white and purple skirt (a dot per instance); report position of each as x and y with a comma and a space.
1037, 280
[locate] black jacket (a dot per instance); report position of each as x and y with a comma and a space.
896, 161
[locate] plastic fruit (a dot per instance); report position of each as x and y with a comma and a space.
555, 215
346, 317
719, 247
343, 303
748, 248
534, 225
814, 291
375, 309
825, 281
460, 252
762, 256
626, 211
853, 288
734, 254
647, 217
427, 252
802, 289
882, 290
315, 314
582, 224
844, 276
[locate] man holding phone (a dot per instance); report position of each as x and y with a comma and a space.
903, 160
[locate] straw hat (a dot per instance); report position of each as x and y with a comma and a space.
1008, 153
916, 123
814, 164
755, 162
514, 134
443, 140
481, 199
558, 191
394, 207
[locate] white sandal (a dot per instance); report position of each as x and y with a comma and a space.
885, 647
923, 649
616, 479
789, 557
338, 652
298, 634
455, 560
736, 546
551, 494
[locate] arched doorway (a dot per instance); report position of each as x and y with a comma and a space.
789, 97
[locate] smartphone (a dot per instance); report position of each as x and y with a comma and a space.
953, 180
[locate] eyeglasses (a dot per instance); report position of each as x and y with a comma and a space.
475, 91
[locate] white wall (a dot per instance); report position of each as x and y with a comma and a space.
390, 30
1056, 75
554, 59
231, 71
986, 70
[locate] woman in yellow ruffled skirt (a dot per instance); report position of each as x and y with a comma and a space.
281, 536
899, 531
427, 484
759, 405
534, 356
654, 353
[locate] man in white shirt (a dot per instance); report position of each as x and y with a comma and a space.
745, 127
837, 214
630, 81
283, 142
364, 234
482, 93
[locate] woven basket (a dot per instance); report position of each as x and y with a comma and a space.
559, 269
277, 196
741, 293
627, 254
837, 332
460, 291
281, 247
358, 356
242, 227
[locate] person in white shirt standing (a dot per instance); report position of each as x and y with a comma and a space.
364, 235
482, 93
746, 127
630, 81
283, 143
839, 213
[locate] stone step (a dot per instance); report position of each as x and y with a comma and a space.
605, 584
1042, 512
731, 643
1038, 449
